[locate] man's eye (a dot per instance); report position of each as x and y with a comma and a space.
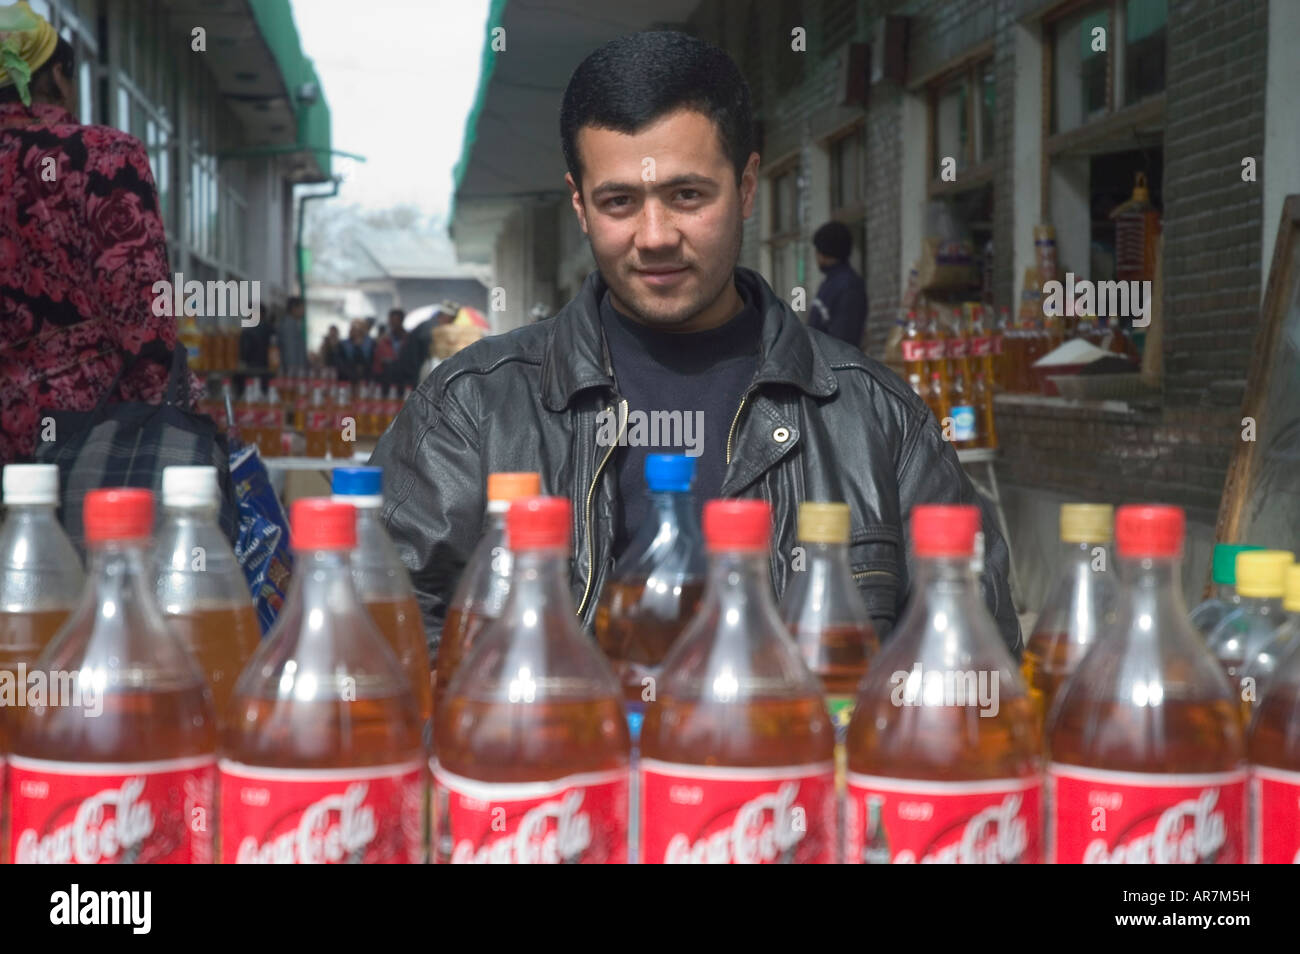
689, 194
617, 202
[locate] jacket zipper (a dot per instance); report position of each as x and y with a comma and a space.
732, 432
591, 492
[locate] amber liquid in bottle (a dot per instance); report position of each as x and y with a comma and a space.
399, 623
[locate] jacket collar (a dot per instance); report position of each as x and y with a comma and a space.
576, 357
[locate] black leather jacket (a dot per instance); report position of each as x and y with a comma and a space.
821, 421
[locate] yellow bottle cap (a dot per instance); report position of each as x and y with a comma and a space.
1262, 573
1291, 599
823, 522
1087, 523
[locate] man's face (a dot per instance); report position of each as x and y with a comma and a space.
663, 213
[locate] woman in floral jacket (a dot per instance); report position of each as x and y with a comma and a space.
81, 246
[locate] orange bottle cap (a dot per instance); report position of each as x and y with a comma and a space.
513, 486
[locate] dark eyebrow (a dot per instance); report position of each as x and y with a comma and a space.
676, 182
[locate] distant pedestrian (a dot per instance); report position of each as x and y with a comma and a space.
840, 308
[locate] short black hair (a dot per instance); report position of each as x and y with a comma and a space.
395, 311
834, 240
42, 82
635, 79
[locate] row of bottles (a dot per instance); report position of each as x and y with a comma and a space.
331, 415
208, 348
952, 364
536, 756
160, 643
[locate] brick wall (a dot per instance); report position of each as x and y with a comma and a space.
1215, 117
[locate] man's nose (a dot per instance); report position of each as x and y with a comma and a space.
658, 229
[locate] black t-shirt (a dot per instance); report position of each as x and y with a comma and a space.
682, 391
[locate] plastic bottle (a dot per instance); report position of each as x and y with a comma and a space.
943, 749
40, 583
322, 761
1261, 584
1224, 599
1265, 661
118, 765
532, 744
200, 586
1145, 735
384, 583
655, 591
737, 751
1081, 598
484, 584
1274, 743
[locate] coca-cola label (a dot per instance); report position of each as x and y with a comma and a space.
997, 344
363, 815
578, 819
958, 347
1275, 807
1103, 817
913, 350
934, 348
900, 821
111, 813
703, 814
318, 420
979, 347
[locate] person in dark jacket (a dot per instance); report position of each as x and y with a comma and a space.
668, 325
840, 308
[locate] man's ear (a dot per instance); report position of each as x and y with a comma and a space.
749, 185
575, 197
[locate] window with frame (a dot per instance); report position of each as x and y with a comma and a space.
963, 104
847, 154
1089, 84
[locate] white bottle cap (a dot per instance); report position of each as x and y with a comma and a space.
31, 484
190, 487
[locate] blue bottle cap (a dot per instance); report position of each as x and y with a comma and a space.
669, 472
358, 481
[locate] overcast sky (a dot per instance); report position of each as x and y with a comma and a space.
400, 77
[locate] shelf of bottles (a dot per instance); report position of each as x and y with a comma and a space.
305, 412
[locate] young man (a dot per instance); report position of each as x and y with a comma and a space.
840, 308
657, 135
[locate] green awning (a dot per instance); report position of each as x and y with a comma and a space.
275, 22
496, 13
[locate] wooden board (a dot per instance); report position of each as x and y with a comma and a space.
1261, 497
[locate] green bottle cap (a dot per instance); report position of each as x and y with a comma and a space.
1224, 570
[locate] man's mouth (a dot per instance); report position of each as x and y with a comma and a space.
663, 275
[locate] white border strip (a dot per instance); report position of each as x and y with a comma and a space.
923, 786
517, 791
111, 768
1063, 770
264, 773
1275, 775
735, 772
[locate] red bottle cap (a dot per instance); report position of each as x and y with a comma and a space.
1149, 530
538, 523
944, 530
124, 513
318, 523
737, 525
